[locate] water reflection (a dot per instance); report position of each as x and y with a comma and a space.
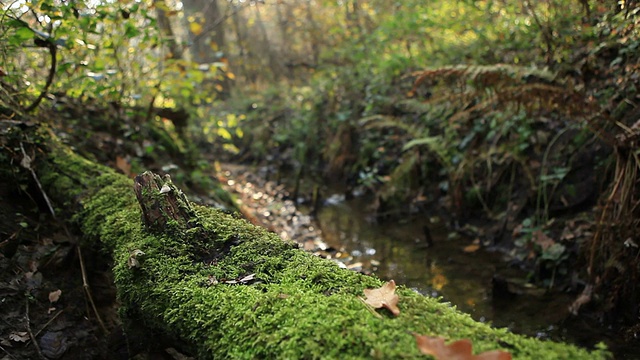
399, 251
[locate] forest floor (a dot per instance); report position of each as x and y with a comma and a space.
41, 280
46, 313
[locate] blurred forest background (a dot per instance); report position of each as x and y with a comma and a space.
516, 120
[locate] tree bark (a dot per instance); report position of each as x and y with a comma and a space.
222, 288
164, 25
208, 46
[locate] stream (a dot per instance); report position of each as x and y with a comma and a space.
448, 268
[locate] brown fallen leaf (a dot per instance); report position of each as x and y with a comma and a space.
471, 248
457, 350
123, 165
384, 296
584, 298
541, 239
54, 296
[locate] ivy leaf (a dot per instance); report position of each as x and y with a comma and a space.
384, 296
457, 350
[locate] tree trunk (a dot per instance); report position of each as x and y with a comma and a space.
222, 288
164, 25
208, 46
244, 52
274, 64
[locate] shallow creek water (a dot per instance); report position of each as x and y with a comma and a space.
399, 251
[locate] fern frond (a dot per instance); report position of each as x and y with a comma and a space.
482, 76
383, 121
489, 88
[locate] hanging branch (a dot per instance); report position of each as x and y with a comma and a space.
48, 43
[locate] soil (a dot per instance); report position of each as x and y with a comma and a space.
42, 292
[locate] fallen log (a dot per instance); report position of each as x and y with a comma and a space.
221, 288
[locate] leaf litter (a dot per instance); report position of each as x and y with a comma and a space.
386, 297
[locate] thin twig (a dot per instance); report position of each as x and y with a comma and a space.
87, 290
50, 44
6, 352
33, 338
370, 308
26, 163
49, 322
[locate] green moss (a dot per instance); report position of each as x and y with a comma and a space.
300, 306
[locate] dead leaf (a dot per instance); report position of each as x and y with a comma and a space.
133, 261
26, 162
457, 350
471, 248
384, 296
247, 278
438, 281
542, 239
19, 336
212, 280
123, 165
54, 296
583, 299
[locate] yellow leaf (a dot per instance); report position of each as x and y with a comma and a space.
231, 76
438, 281
224, 133
195, 28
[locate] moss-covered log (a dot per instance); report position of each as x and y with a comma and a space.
225, 289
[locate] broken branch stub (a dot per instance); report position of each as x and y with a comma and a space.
161, 202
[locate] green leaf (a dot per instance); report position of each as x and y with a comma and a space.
21, 35
131, 31
554, 252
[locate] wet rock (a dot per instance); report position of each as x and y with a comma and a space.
53, 344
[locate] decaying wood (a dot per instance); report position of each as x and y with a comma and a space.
161, 201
